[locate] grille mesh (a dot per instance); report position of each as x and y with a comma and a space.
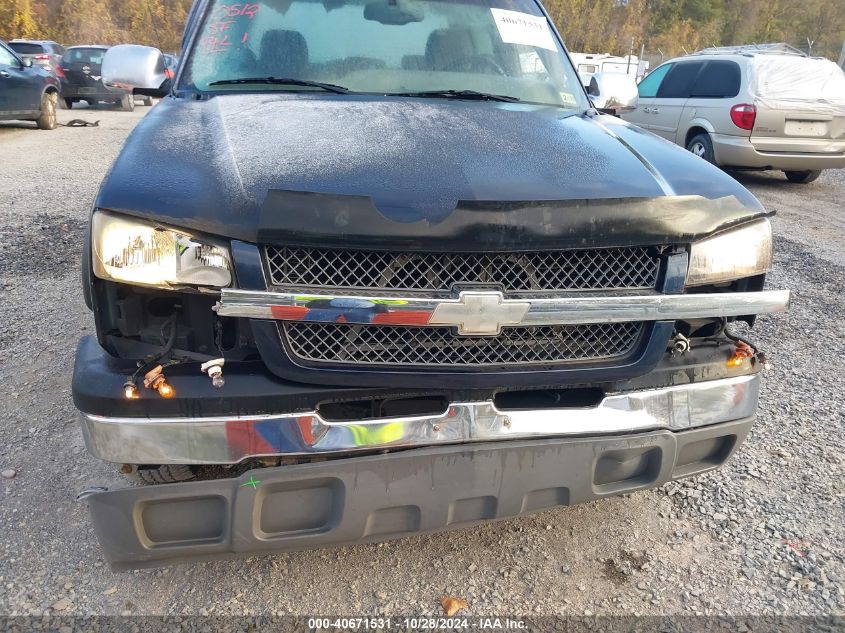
594, 269
421, 346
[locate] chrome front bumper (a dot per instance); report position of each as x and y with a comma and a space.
229, 440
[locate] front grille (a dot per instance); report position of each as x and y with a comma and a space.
591, 269
440, 346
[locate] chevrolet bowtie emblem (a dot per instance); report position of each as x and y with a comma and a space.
480, 313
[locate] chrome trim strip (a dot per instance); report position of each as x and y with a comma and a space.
228, 440
572, 310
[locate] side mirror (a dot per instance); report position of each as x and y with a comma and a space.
27, 62
613, 92
137, 68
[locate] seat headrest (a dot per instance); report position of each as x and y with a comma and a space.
448, 49
414, 62
284, 54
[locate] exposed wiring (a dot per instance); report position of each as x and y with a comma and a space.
714, 339
739, 339
718, 338
150, 361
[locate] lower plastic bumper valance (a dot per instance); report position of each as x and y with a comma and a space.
375, 498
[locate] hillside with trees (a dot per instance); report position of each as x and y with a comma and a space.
667, 27
152, 22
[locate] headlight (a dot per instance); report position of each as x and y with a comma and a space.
136, 252
733, 254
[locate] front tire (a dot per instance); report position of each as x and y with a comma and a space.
167, 474
803, 177
47, 120
147, 101
702, 146
127, 103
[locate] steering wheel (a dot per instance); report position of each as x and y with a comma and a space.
477, 63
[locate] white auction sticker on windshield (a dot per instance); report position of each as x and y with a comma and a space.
522, 28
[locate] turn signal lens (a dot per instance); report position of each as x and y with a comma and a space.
744, 115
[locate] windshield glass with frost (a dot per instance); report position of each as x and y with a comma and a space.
502, 47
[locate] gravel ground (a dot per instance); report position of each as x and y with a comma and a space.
763, 535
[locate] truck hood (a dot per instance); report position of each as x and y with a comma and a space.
218, 165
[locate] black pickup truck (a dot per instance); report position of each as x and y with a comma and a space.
375, 268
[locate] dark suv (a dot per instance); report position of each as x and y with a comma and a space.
382, 268
84, 79
27, 92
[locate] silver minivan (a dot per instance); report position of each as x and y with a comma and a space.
750, 107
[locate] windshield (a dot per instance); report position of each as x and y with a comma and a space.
84, 55
500, 47
26, 48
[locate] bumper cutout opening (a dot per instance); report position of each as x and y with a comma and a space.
696, 457
374, 409
549, 399
179, 521
616, 471
396, 520
473, 509
286, 510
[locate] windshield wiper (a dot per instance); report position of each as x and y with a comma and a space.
281, 81
457, 94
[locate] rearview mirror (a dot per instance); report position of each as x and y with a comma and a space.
613, 92
137, 68
393, 12
27, 62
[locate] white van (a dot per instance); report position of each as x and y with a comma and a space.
588, 64
750, 107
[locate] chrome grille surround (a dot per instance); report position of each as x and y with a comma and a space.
515, 272
400, 346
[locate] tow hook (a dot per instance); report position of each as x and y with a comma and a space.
214, 369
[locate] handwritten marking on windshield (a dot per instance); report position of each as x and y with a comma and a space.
230, 19
236, 10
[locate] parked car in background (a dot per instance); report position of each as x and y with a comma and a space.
588, 64
750, 107
45, 53
84, 81
28, 92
